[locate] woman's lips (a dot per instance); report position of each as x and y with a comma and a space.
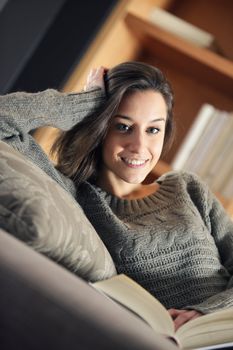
134, 163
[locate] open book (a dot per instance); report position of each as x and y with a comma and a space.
208, 330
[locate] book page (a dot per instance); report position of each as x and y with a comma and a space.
133, 296
211, 329
217, 347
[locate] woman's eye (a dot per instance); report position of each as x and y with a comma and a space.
153, 130
122, 127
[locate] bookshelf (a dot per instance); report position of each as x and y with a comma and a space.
207, 65
197, 74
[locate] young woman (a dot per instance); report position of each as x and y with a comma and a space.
172, 236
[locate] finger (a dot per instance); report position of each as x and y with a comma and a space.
95, 73
197, 314
95, 78
99, 74
183, 318
91, 75
175, 312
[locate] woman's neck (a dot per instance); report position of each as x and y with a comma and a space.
142, 191
127, 191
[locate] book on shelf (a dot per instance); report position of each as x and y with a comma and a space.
183, 29
210, 330
220, 165
221, 146
207, 148
207, 141
204, 116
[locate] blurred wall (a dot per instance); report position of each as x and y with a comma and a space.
41, 41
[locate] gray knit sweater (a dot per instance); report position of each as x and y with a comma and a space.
22, 112
177, 242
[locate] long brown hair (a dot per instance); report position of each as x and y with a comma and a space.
79, 149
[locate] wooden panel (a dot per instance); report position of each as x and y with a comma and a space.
143, 8
214, 16
196, 61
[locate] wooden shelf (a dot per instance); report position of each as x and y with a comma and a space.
202, 64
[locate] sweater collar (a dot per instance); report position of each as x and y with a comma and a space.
166, 193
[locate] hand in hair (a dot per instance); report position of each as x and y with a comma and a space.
95, 78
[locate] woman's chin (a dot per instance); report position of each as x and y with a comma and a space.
134, 181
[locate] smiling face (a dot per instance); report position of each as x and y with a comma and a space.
134, 141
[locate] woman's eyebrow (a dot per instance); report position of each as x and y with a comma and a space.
131, 119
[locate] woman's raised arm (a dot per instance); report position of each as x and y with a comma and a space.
21, 112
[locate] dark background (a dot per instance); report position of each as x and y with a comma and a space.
41, 41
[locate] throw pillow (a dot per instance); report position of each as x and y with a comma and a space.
35, 209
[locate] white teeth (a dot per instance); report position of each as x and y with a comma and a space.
134, 161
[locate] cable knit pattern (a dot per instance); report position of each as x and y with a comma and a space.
177, 243
22, 112
35, 209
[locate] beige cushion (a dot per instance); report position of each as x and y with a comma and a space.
35, 209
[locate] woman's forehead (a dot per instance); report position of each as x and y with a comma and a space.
145, 103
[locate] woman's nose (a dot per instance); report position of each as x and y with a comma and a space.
136, 142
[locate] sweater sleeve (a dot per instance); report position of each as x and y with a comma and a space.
21, 112
221, 228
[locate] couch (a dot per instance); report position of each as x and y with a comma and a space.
49, 254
